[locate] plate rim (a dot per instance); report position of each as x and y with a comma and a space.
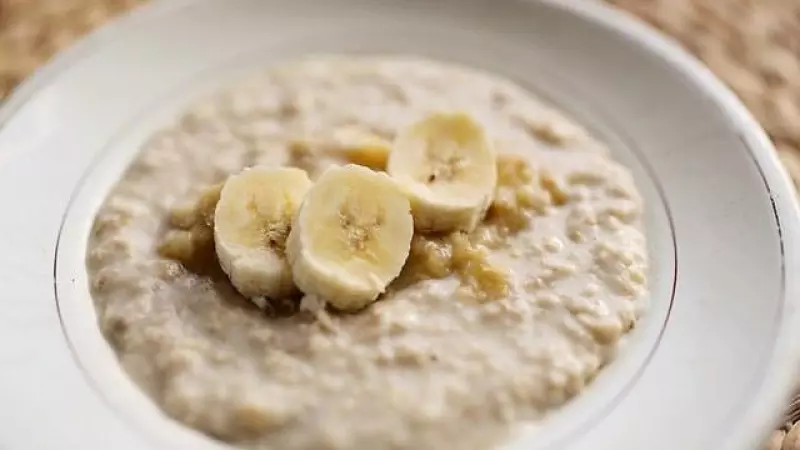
783, 365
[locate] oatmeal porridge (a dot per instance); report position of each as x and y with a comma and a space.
486, 328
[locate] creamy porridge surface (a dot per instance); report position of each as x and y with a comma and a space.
430, 365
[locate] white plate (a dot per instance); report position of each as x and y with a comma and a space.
709, 367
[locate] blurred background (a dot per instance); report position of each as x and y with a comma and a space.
753, 45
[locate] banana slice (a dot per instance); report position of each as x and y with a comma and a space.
350, 237
447, 165
251, 223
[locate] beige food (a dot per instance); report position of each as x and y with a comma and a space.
486, 328
447, 165
252, 221
351, 237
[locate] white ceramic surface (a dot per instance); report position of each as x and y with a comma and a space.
711, 363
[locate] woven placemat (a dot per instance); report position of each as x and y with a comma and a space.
753, 45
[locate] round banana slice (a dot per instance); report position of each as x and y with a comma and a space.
251, 223
350, 237
447, 165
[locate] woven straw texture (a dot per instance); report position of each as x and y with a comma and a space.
753, 45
